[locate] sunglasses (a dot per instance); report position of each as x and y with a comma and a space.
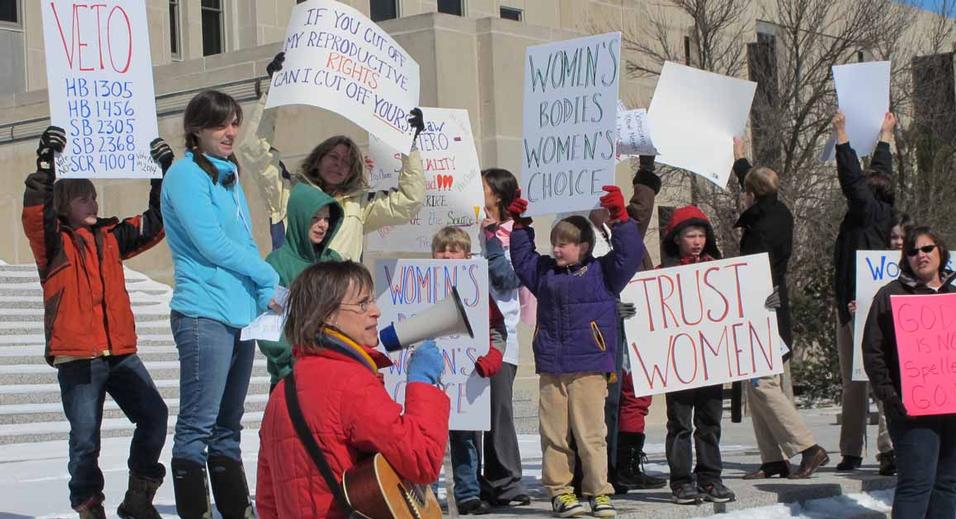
925, 249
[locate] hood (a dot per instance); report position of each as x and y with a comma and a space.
685, 217
226, 168
297, 253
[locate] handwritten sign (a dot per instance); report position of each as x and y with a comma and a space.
100, 85
926, 346
874, 269
701, 325
411, 286
338, 59
453, 192
570, 122
634, 133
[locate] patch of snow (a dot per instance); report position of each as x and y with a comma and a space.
849, 505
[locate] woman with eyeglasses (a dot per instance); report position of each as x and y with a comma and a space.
222, 284
925, 445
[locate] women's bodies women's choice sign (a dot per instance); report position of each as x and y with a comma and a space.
570, 122
100, 84
413, 286
926, 346
337, 59
453, 192
702, 324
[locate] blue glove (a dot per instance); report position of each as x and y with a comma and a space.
426, 364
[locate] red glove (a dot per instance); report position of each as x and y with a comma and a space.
613, 201
517, 207
489, 364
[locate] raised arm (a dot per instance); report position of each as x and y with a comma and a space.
742, 166
501, 273
39, 216
137, 234
398, 206
882, 159
646, 187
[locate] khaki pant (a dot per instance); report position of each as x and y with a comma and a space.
856, 401
781, 432
573, 404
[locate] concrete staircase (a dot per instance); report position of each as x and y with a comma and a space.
30, 408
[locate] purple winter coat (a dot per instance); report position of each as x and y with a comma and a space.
577, 322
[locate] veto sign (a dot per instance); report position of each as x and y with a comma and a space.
337, 59
702, 324
926, 346
410, 286
100, 86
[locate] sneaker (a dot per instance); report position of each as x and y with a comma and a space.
601, 506
716, 492
567, 505
686, 494
474, 506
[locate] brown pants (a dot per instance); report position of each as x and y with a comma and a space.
781, 432
573, 404
855, 403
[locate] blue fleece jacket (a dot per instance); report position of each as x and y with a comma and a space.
219, 273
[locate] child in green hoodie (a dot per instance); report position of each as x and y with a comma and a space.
313, 219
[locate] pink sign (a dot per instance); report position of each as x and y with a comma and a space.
926, 345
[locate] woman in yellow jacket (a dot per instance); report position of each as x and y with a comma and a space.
335, 166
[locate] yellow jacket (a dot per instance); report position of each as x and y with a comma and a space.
365, 210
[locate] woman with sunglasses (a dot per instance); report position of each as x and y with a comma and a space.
222, 284
925, 445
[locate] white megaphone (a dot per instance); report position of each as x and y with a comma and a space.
445, 318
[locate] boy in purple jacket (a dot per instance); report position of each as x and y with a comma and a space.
574, 343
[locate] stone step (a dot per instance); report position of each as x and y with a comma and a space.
12, 356
138, 303
50, 392
153, 335
43, 374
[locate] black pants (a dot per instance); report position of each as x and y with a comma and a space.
502, 460
704, 405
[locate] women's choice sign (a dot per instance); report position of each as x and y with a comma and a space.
702, 324
926, 346
337, 59
413, 286
570, 122
100, 83
453, 192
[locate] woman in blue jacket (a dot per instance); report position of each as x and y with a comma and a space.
222, 284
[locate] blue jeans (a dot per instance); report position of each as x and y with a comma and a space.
214, 371
466, 463
83, 388
926, 466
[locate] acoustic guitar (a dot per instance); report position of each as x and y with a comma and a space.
376, 491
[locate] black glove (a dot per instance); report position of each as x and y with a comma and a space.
417, 121
161, 153
52, 140
773, 300
276, 64
626, 310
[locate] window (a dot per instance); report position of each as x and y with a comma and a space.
450, 7
511, 13
10, 11
383, 10
174, 29
212, 27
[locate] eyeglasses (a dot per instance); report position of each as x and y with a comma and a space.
925, 249
362, 305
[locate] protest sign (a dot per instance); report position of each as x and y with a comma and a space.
701, 325
694, 117
570, 122
874, 269
863, 94
407, 287
453, 191
100, 85
926, 347
337, 59
634, 133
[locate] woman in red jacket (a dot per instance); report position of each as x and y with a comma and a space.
333, 325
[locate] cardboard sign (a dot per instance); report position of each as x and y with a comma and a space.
100, 84
570, 122
407, 287
337, 59
926, 346
453, 191
634, 133
863, 94
694, 117
702, 324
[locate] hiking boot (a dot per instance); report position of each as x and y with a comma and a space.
716, 492
474, 506
138, 502
567, 505
630, 464
601, 506
769, 470
849, 463
813, 458
686, 494
887, 463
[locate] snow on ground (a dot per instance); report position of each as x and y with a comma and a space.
839, 506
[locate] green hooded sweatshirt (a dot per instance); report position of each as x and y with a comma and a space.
297, 254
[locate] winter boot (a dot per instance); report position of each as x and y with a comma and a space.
92, 508
138, 503
630, 463
192, 494
229, 487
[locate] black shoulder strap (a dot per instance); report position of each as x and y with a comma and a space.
305, 436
